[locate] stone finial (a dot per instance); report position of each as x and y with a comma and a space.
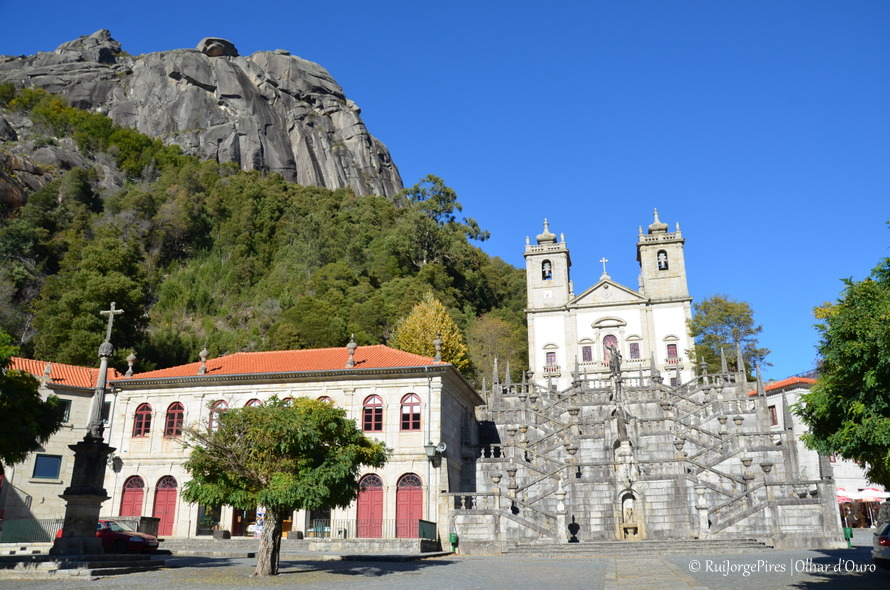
350, 362
131, 360
437, 343
760, 389
739, 359
204, 354
507, 374
546, 237
653, 369
723, 368
495, 378
216, 47
657, 227
47, 373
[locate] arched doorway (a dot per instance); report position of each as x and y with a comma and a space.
409, 505
165, 504
369, 512
133, 496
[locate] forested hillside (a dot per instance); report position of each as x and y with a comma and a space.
202, 254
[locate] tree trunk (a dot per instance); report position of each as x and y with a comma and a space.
267, 555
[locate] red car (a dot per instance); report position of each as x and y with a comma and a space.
119, 538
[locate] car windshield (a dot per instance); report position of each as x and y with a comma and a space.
118, 527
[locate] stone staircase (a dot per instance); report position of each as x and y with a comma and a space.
625, 548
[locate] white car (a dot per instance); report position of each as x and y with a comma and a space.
881, 552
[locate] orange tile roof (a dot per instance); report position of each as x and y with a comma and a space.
62, 374
377, 356
785, 383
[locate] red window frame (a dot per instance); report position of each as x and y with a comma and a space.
175, 416
410, 412
372, 414
142, 421
672, 351
325, 398
253, 403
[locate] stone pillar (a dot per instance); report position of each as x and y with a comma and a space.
701, 506
84, 499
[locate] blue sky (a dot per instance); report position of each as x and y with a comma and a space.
762, 127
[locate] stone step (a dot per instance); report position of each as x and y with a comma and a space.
651, 547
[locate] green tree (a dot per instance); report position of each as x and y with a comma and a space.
492, 337
284, 456
26, 420
429, 319
848, 409
720, 322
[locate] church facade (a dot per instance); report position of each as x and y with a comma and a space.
615, 436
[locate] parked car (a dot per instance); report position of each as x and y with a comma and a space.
117, 537
881, 552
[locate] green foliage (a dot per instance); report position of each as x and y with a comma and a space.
720, 322
848, 409
284, 456
206, 254
7, 93
492, 337
26, 420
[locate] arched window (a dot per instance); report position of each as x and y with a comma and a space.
411, 412
142, 420
546, 270
254, 403
662, 260
173, 424
216, 409
288, 401
325, 398
609, 340
372, 414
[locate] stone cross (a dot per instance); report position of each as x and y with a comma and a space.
110, 313
604, 261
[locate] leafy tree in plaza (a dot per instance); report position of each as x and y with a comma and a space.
284, 456
722, 322
848, 409
26, 420
429, 319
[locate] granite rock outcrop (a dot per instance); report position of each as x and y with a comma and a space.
270, 111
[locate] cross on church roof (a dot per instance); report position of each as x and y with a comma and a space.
604, 260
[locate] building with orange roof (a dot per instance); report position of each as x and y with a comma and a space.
849, 477
32, 487
405, 400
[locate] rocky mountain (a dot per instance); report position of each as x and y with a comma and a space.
270, 111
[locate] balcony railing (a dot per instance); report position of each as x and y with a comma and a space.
372, 528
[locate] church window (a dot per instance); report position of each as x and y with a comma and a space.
672, 351
634, 350
142, 420
662, 260
372, 414
609, 340
586, 354
254, 403
674, 382
546, 270
411, 412
216, 409
551, 359
773, 418
173, 423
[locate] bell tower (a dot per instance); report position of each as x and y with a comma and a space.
662, 263
547, 272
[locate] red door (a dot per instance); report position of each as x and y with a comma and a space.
409, 506
134, 494
369, 513
165, 505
